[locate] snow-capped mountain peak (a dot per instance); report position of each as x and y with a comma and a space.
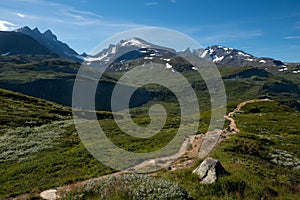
219, 53
224, 51
233, 57
128, 49
134, 42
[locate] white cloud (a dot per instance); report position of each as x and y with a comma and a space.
81, 29
79, 14
21, 15
6, 25
59, 9
172, 1
56, 14
292, 37
152, 3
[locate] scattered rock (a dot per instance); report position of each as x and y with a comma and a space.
209, 171
49, 194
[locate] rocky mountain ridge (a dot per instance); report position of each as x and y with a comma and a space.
50, 41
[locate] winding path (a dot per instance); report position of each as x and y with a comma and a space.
232, 125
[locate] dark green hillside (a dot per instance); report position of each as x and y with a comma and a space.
19, 110
52, 79
243, 83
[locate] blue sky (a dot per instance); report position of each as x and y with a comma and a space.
268, 28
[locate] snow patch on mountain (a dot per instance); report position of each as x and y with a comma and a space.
168, 66
243, 54
166, 59
148, 58
5, 54
283, 69
93, 59
114, 50
227, 49
204, 54
296, 71
144, 51
218, 59
262, 61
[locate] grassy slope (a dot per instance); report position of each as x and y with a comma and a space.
43, 161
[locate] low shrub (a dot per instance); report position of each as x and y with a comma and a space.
129, 186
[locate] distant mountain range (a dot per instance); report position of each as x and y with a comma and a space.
142, 51
128, 52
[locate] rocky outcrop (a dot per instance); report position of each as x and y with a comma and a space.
209, 171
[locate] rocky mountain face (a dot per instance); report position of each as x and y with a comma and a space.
232, 57
128, 50
50, 41
14, 43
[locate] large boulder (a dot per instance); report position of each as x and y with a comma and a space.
209, 171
